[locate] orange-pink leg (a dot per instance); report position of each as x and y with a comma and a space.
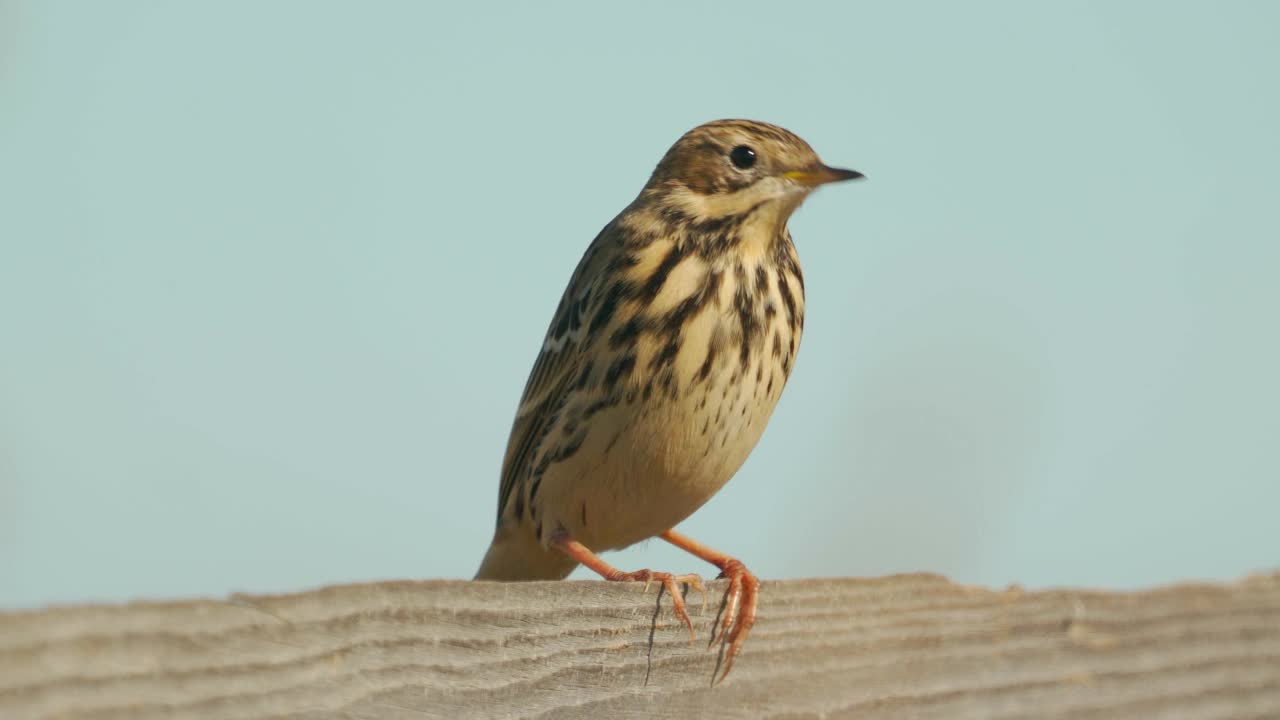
740, 599
583, 554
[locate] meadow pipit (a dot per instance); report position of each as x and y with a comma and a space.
662, 365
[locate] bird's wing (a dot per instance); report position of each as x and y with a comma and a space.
584, 311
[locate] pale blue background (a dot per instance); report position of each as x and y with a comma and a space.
272, 276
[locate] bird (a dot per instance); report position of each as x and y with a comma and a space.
661, 367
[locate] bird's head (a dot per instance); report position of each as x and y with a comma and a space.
729, 168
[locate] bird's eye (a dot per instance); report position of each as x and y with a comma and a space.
742, 157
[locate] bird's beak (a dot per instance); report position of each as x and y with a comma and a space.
819, 174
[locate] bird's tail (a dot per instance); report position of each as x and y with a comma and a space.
512, 556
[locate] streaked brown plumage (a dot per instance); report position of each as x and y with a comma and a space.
662, 364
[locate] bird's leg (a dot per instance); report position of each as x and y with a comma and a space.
740, 598
576, 550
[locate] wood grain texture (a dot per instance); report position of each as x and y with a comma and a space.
912, 646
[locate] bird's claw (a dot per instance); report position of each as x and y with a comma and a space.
739, 612
670, 583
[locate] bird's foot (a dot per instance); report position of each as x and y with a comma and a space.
582, 554
739, 610
671, 584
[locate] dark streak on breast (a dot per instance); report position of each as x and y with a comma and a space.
619, 370
655, 282
666, 355
608, 306
627, 334
788, 300
712, 348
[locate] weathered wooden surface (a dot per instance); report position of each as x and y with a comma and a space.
909, 646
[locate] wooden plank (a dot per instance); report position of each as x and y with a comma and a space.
906, 646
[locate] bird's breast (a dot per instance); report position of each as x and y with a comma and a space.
696, 399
